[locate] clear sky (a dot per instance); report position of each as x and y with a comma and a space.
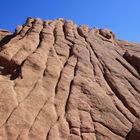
121, 16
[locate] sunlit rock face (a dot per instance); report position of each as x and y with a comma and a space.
59, 81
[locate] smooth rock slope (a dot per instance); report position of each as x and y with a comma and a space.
59, 81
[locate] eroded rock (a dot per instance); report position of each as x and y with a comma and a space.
64, 82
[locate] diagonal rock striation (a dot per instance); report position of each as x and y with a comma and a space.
59, 81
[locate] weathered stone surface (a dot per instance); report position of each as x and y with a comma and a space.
63, 82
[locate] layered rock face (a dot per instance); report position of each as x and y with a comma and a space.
59, 81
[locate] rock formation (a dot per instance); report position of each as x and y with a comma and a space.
59, 81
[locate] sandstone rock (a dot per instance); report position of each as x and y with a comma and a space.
59, 81
106, 33
18, 29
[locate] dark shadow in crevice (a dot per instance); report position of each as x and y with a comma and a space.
10, 72
15, 74
127, 136
6, 39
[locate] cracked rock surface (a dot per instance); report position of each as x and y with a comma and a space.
59, 81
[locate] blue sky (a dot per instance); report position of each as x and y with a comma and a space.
121, 16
